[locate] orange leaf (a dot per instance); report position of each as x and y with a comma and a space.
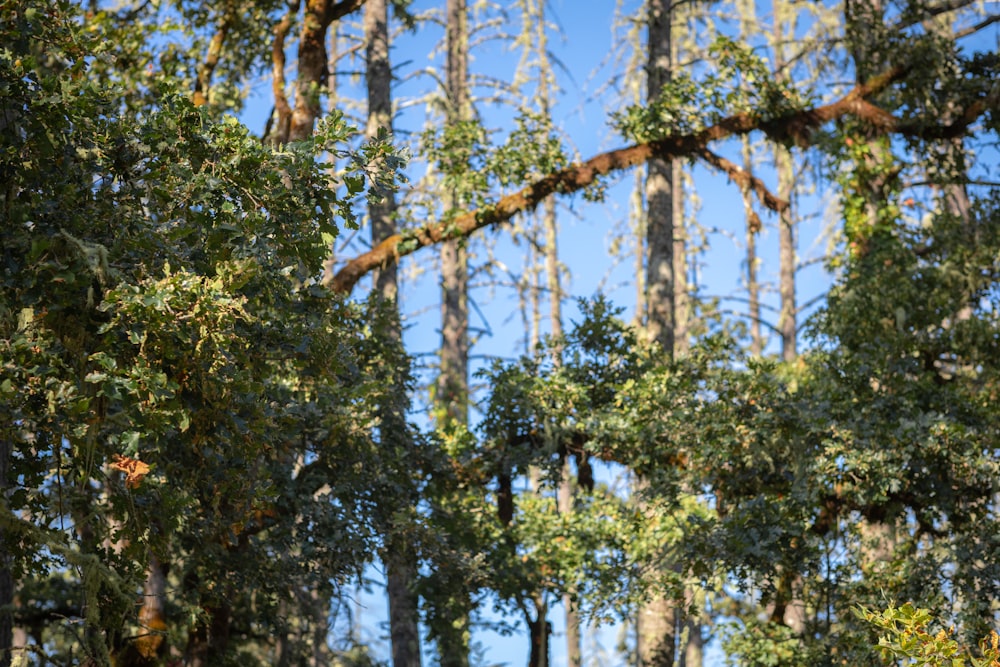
134, 469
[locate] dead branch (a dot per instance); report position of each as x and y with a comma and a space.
745, 180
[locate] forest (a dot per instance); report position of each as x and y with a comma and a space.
398, 332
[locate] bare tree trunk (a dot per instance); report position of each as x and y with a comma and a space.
403, 614
682, 303
453, 384
659, 194
787, 322
752, 229
379, 79
399, 558
453, 381
640, 246
657, 619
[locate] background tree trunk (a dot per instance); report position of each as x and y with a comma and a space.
399, 557
659, 194
656, 625
453, 384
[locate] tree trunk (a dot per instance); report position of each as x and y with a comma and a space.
657, 619
539, 630
453, 386
787, 321
752, 229
379, 80
403, 613
311, 70
152, 618
659, 194
453, 381
399, 558
682, 302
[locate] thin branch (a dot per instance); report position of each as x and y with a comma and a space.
985, 23
281, 106
744, 179
207, 68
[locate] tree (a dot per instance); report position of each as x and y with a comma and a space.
172, 383
191, 416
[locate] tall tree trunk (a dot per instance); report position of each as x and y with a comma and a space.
379, 81
659, 194
453, 381
657, 619
639, 214
752, 229
453, 385
399, 557
565, 490
787, 321
682, 302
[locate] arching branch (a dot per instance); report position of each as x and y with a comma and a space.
797, 127
744, 179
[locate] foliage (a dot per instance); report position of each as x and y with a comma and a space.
182, 399
907, 639
159, 308
741, 83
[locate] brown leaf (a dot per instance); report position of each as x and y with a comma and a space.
134, 469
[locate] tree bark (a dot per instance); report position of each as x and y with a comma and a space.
312, 66
403, 613
659, 193
399, 557
657, 620
753, 226
453, 380
452, 383
787, 321
539, 630
379, 80
682, 302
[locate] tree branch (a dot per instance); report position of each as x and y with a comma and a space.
744, 179
207, 68
279, 134
339, 10
797, 127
